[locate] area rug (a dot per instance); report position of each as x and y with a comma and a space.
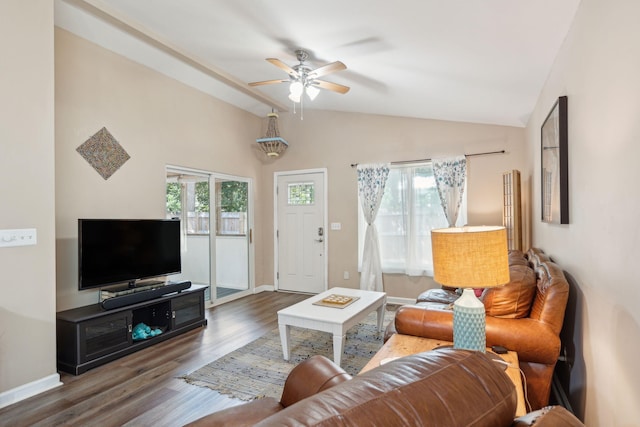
259, 370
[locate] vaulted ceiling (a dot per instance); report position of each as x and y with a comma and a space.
462, 60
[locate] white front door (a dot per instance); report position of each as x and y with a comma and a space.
300, 232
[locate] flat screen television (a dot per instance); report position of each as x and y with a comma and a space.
113, 251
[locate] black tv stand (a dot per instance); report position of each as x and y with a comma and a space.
90, 336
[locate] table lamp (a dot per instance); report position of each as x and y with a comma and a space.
470, 257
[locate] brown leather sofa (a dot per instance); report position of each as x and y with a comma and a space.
525, 316
444, 387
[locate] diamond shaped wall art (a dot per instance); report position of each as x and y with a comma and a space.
103, 153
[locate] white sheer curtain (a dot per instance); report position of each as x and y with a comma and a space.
450, 174
371, 182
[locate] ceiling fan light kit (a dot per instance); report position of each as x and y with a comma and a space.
295, 91
272, 144
312, 92
303, 79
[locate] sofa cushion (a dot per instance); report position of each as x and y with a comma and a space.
517, 258
513, 300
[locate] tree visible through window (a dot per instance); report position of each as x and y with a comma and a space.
231, 209
196, 197
174, 203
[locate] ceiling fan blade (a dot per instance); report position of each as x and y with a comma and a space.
335, 87
326, 69
268, 82
283, 66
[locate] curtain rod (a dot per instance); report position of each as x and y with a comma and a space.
353, 165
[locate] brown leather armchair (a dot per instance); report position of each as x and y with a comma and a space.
444, 387
535, 337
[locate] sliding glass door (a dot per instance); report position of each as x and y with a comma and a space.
188, 199
232, 236
214, 210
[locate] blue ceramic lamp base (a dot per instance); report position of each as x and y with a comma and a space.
469, 322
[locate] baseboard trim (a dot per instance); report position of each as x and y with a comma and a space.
264, 288
25, 391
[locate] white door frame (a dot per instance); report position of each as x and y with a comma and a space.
325, 222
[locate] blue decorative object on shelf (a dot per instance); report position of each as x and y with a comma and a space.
142, 332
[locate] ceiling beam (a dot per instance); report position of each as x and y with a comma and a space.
98, 9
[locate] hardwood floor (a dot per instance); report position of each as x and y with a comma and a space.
144, 388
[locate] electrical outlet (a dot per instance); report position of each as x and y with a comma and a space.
21, 237
345, 275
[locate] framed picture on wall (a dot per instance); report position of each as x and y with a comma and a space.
555, 165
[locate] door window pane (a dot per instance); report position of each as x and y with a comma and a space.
300, 194
231, 207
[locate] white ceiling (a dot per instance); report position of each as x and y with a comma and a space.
462, 60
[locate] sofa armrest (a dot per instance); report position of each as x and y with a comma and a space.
243, 415
532, 340
309, 377
424, 322
551, 416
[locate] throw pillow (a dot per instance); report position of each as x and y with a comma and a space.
514, 299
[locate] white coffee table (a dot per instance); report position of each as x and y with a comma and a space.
336, 320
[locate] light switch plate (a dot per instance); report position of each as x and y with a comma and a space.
336, 226
19, 237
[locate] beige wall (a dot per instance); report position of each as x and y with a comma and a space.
598, 69
334, 140
27, 304
157, 120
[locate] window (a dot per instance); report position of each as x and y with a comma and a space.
194, 195
409, 210
231, 207
300, 194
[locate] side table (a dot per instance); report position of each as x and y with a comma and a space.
405, 345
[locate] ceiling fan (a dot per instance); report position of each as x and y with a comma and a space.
305, 79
